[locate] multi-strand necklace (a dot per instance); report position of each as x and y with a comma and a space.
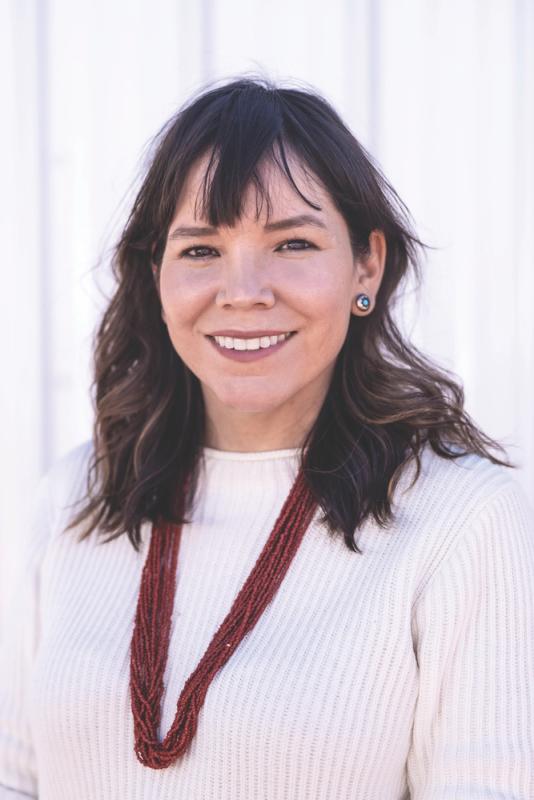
151, 635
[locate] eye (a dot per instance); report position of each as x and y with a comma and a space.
309, 245
188, 253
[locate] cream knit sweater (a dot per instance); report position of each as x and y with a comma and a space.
405, 672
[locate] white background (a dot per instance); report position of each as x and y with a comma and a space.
440, 91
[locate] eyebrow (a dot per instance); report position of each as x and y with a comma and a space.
282, 224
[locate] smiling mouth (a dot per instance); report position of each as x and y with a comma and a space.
251, 349
249, 344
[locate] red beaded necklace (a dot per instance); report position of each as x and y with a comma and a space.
150, 640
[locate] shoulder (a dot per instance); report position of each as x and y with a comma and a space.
455, 503
458, 488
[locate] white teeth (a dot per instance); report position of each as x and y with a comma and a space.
263, 342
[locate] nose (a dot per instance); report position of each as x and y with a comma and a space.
244, 284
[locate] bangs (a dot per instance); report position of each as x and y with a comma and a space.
240, 129
229, 174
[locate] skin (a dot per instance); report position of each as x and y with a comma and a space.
245, 278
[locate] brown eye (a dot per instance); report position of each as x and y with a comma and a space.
298, 242
189, 252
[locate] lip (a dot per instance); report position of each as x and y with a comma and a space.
248, 334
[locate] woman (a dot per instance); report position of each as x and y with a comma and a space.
287, 565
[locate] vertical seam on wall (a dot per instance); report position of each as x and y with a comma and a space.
373, 17
349, 28
44, 277
518, 29
206, 40
523, 19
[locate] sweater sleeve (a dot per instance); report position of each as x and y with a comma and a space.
18, 643
473, 629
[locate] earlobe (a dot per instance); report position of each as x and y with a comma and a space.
362, 303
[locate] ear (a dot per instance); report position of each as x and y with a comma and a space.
369, 270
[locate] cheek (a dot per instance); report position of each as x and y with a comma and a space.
324, 334
182, 301
327, 289
329, 306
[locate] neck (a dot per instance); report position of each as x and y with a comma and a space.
256, 432
249, 445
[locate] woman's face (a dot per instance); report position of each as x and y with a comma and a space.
294, 274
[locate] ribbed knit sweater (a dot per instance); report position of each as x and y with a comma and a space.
404, 672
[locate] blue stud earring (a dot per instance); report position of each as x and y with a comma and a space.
363, 302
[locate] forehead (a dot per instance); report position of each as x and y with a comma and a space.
277, 195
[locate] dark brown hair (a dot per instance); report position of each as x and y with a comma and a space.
386, 400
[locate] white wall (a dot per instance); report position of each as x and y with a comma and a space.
440, 91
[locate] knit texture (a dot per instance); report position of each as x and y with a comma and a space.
405, 672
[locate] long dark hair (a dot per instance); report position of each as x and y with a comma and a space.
386, 400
